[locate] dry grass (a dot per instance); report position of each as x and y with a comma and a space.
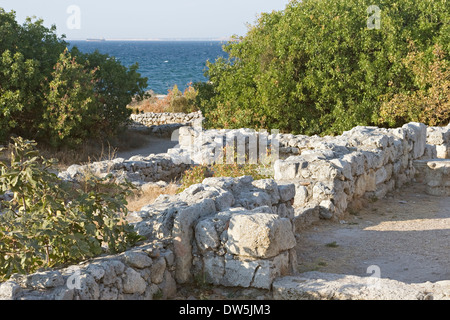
151, 105
148, 196
93, 151
174, 101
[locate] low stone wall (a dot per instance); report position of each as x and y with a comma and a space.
138, 169
233, 231
143, 273
154, 119
364, 163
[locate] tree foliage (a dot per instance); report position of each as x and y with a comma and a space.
430, 102
51, 94
316, 67
50, 222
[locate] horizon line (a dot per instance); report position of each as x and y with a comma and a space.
150, 39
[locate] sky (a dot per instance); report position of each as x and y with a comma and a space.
145, 19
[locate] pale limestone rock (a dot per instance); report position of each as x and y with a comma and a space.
133, 282
259, 235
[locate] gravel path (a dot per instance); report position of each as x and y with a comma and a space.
405, 236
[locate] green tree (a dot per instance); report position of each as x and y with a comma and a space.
69, 107
40, 81
115, 87
316, 67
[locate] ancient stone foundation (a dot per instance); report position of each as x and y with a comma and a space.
238, 232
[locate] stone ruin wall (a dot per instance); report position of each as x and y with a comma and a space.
155, 119
237, 232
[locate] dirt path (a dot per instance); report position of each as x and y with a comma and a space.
406, 236
153, 145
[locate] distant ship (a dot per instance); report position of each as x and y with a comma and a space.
92, 39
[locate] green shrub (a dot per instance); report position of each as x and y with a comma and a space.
316, 67
430, 102
55, 96
49, 222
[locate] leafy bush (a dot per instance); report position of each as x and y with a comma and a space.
430, 102
55, 96
50, 222
316, 67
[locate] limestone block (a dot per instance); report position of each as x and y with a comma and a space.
214, 268
182, 234
238, 273
9, 290
328, 286
259, 235
137, 259
47, 279
285, 170
270, 187
344, 167
206, 235
89, 288
268, 270
286, 191
326, 209
436, 175
417, 132
157, 270
133, 282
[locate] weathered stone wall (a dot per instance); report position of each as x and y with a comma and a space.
145, 272
234, 231
330, 173
153, 119
438, 142
137, 169
366, 162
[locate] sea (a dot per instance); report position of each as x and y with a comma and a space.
164, 63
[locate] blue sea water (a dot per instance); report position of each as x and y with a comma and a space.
164, 63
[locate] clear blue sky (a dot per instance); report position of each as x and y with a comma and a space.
146, 18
